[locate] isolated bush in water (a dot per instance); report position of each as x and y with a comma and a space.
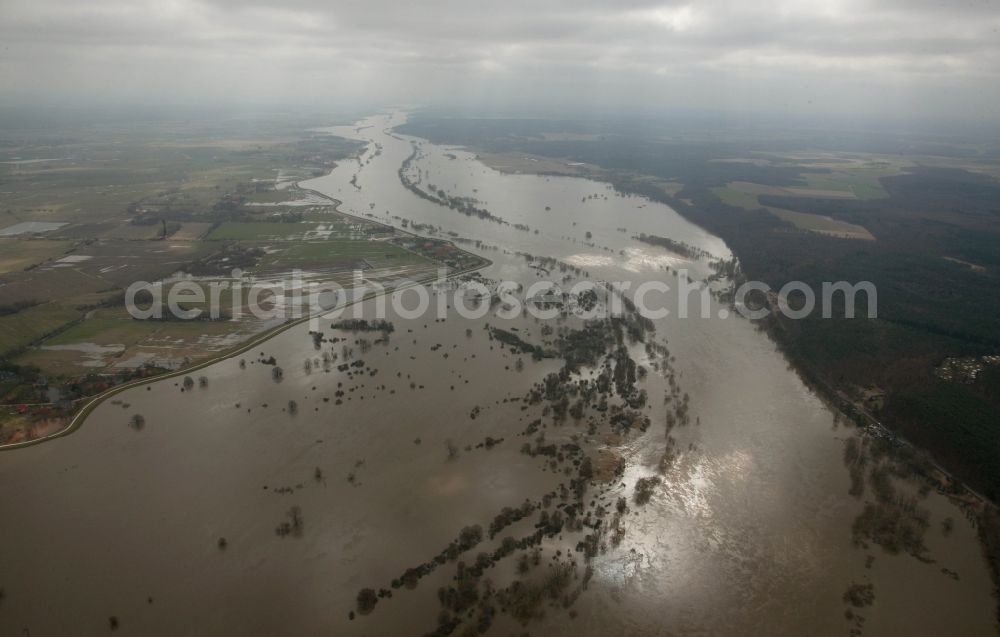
367, 598
860, 595
293, 526
361, 325
644, 489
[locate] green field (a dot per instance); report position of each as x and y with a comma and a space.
114, 326
115, 188
20, 329
737, 198
239, 231
741, 197
97, 174
17, 254
105, 327
821, 224
862, 181
332, 250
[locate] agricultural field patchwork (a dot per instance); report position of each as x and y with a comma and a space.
828, 177
85, 214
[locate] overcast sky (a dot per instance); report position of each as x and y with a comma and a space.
860, 57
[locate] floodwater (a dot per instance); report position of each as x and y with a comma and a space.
27, 227
750, 533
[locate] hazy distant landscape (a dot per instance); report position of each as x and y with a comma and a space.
550, 318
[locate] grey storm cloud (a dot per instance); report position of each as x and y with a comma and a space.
939, 56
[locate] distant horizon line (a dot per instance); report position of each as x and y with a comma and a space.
26, 113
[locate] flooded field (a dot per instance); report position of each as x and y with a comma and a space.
261, 499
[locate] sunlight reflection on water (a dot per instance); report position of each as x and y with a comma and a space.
634, 260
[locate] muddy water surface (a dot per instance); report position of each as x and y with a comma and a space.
750, 533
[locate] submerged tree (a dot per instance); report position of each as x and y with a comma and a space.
644, 488
293, 526
367, 598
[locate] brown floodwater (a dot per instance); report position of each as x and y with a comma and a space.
749, 534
